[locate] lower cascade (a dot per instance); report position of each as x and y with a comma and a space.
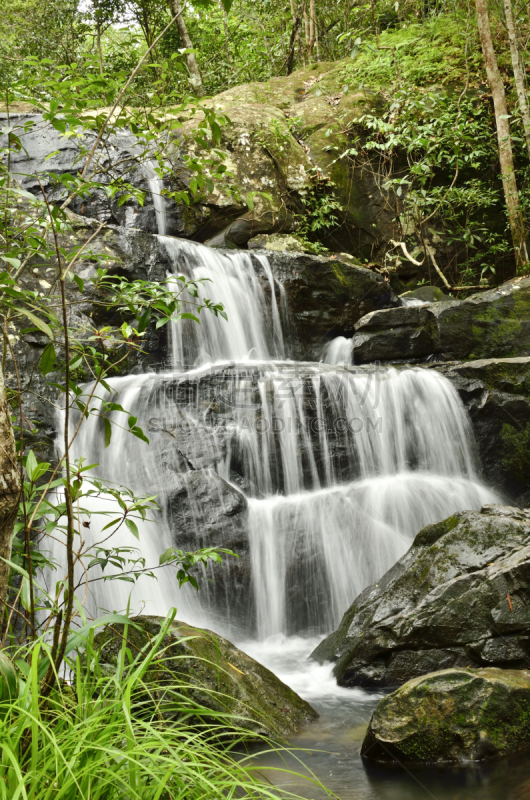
318, 475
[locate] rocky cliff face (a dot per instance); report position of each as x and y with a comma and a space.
496, 393
283, 138
495, 323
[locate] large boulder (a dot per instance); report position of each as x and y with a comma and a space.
326, 297
284, 139
207, 670
496, 393
403, 333
457, 598
298, 123
495, 323
451, 717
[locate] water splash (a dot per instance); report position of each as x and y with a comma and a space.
338, 351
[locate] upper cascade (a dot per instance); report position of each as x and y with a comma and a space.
253, 328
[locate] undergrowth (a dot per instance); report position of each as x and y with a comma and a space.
419, 55
102, 736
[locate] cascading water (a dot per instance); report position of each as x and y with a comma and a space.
338, 351
340, 467
318, 474
254, 329
156, 186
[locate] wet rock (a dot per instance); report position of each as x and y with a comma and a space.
204, 510
496, 393
326, 297
120, 161
494, 323
454, 716
207, 669
395, 334
456, 598
425, 294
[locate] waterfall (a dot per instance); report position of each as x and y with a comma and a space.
338, 351
156, 184
341, 468
253, 329
320, 474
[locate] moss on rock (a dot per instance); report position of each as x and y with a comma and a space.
450, 717
443, 604
210, 672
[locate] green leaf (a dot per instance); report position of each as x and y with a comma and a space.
31, 465
14, 262
108, 431
167, 555
144, 320
75, 362
42, 326
47, 360
138, 432
133, 528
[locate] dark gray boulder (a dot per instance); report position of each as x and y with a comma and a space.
201, 668
495, 323
326, 297
496, 393
395, 334
457, 598
204, 510
451, 717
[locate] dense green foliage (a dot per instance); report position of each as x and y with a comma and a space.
433, 140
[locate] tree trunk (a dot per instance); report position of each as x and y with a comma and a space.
311, 31
100, 54
518, 72
9, 491
191, 61
294, 33
297, 35
225, 25
509, 182
317, 41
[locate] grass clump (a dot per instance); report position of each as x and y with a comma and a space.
101, 735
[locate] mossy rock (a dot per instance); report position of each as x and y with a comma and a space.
449, 717
493, 324
457, 598
212, 673
426, 294
279, 242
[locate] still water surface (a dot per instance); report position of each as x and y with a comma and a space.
332, 744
